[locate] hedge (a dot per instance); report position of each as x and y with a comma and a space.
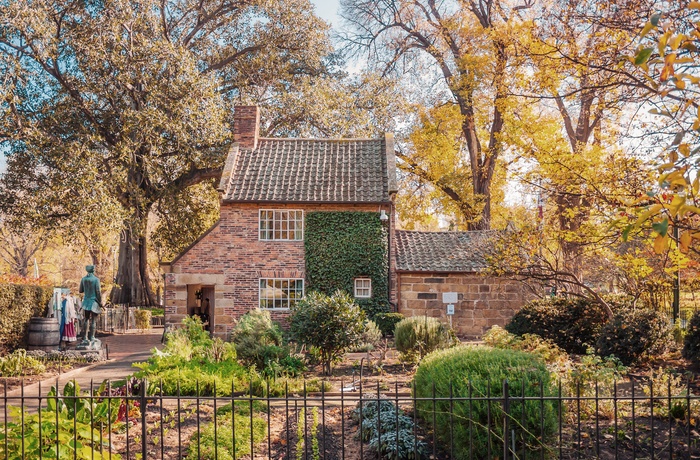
18, 303
460, 378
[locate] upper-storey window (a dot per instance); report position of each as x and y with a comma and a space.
281, 224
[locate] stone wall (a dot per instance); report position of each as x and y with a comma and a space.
483, 301
231, 258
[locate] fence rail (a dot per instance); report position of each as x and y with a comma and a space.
138, 421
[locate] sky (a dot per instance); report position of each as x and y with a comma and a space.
328, 10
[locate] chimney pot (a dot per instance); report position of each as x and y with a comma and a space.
246, 125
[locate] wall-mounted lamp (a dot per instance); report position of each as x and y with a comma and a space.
382, 216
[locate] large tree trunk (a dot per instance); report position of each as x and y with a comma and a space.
132, 285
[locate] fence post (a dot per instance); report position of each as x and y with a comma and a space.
506, 411
144, 450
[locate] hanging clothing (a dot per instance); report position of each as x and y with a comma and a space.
68, 319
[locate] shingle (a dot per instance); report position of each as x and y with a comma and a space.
442, 251
310, 170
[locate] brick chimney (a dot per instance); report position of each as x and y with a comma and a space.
246, 125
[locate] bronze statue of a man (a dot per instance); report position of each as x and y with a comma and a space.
92, 302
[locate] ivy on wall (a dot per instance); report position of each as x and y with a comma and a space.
343, 245
18, 303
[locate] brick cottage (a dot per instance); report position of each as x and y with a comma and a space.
254, 256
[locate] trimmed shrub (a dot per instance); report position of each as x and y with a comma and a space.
19, 303
572, 323
257, 339
550, 353
331, 325
691, 342
419, 335
634, 335
386, 322
478, 372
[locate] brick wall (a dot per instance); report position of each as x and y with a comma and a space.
232, 259
483, 301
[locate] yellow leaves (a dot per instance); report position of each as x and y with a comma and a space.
661, 244
684, 241
668, 70
694, 5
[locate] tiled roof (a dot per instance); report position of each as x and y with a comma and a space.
311, 170
441, 251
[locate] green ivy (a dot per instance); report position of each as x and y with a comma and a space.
18, 303
342, 246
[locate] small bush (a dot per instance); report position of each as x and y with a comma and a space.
386, 322
573, 324
634, 335
330, 324
550, 353
467, 371
419, 335
258, 340
143, 319
691, 342
18, 303
388, 430
369, 339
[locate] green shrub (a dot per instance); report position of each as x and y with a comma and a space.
257, 339
572, 323
419, 335
386, 322
478, 372
691, 342
634, 335
330, 324
19, 303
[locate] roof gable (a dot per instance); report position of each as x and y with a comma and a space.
311, 170
442, 251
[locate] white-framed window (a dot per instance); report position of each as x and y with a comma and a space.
280, 293
281, 224
363, 288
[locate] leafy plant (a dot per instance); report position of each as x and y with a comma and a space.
66, 428
18, 363
419, 335
477, 372
634, 335
691, 342
550, 353
330, 324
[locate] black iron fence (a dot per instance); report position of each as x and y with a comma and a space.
136, 420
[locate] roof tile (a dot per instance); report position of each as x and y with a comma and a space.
442, 251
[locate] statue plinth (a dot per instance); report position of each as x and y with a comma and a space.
90, 345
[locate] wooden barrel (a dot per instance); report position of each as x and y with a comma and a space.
43, 334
